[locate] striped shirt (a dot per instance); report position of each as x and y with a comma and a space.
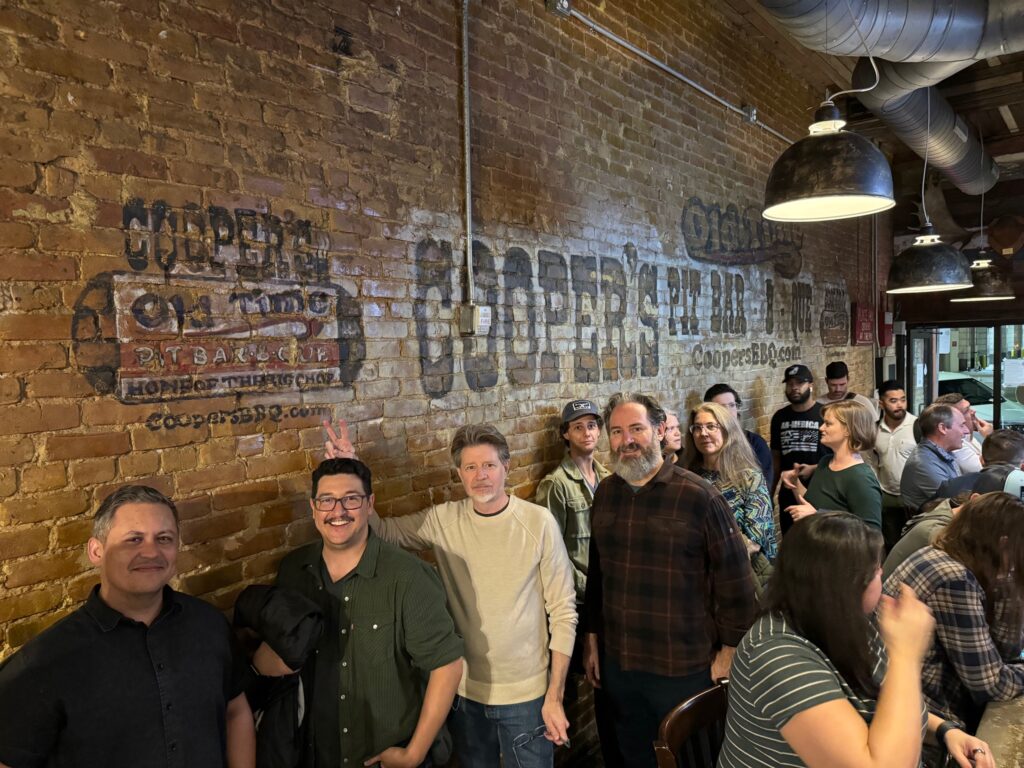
751, 505
777, 674
967, 664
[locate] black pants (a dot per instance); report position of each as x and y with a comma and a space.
640, 701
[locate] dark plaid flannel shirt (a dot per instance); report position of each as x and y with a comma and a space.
968, 663
669, 580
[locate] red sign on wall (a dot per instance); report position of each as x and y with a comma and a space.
863, 325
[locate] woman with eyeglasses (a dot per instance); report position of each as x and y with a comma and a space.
718, 451
841, 481
817, 681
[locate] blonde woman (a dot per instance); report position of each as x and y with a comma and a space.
841, 481
718, 450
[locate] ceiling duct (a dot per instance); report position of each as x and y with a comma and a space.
922, 44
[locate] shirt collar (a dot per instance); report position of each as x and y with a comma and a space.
108, 618
367, 567
941, 452
573, 471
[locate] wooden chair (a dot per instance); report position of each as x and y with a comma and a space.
691, 735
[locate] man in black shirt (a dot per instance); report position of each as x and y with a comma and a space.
794, 434
140, 675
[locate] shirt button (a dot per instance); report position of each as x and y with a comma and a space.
174, 747
374, 626
344, 631
344, 663
160, 667
344, 730
346, 598
169, 707
343, 697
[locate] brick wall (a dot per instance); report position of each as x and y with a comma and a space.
221, 222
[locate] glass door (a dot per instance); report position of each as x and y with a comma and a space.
984, 363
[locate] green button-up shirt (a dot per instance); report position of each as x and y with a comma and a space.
567, 495
387, 627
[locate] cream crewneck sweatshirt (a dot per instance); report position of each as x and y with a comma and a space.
510, 591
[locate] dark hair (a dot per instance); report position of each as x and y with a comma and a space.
934, 415
825, 563
988, 530
127, 494
722, 389
890, 386
950, 398
479, 434
564, 427
655, 413
329, 467
1004, 446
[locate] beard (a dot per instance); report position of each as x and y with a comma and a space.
632, 469
799, 399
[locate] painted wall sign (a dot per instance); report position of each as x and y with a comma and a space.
835, 317
216, 303
732, 237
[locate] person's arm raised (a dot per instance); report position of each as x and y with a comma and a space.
834, 735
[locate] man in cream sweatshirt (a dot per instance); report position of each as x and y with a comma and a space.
510, 591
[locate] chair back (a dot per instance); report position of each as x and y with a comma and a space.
691, 735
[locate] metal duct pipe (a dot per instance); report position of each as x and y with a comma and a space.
901, 101
905, 30
934, 41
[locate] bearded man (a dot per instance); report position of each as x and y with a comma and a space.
669, 589
795, 439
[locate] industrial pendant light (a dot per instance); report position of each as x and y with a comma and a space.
929, 264
830, 173
990, 284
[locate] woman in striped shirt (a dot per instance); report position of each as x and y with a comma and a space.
814, 683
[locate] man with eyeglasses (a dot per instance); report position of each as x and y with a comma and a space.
387, 666
509, 584
568, 493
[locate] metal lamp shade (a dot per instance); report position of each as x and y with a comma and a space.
989, 285
827, 176
929, 265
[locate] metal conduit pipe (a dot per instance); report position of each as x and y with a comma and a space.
901, 101
467, 155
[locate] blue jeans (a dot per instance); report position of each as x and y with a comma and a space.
487, 736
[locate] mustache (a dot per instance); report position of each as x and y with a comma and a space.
343, 518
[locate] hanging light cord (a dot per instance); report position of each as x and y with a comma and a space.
983, 244
927, 140
867, 51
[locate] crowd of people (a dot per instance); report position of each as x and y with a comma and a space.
864, 620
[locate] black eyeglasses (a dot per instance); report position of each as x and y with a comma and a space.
351, 502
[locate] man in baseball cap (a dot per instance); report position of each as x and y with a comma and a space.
569, 493
795, 439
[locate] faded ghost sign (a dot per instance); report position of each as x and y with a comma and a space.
216, 303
